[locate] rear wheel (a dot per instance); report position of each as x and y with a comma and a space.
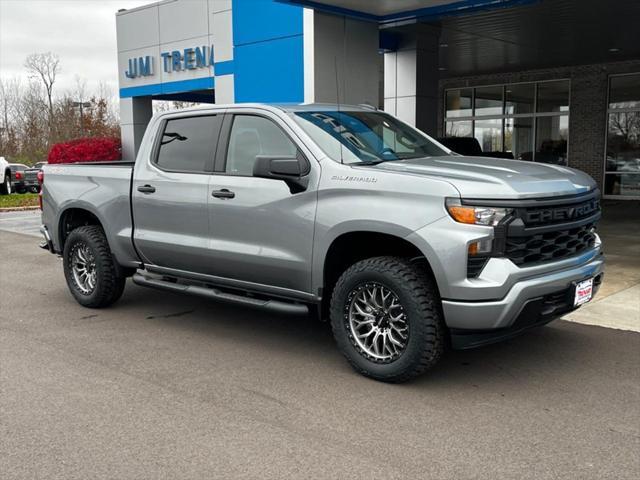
385, 316
5, 186
92, 274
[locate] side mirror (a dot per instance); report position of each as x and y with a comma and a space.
292, 170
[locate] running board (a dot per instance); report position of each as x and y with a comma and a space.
275, 306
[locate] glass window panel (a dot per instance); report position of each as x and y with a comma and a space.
489, 135
187, 143
489, 100
551, 139
459, 102
461, 128
625, 91
519, 98
623, 142
624, 184
553, 96
252, 136
518, 137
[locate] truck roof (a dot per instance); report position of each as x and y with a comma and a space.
287, 107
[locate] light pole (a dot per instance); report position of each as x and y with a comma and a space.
81, 105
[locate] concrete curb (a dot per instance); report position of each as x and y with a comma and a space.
19, 209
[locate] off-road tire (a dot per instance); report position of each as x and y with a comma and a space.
5, 186
419, 297
110, 281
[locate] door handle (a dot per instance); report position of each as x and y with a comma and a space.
146, 188
224, 193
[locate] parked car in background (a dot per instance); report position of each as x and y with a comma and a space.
31, 177
470, 147
17, 177
5, 186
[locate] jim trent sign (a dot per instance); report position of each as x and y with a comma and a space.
173, 61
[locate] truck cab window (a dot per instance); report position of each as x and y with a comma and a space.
252, 136
187, 144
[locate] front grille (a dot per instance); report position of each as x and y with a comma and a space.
555, 214
541, 231
552, 245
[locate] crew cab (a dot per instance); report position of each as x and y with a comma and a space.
343, 211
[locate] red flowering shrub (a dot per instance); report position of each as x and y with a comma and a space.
86, 150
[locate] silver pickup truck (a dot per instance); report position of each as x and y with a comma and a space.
342, 211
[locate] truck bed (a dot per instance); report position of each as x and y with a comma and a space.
102, 188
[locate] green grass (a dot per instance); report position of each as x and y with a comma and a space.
19, 200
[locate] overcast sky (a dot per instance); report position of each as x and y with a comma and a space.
81, 32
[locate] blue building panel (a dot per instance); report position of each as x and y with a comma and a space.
270, 71
168, 87
268, 51
263, 20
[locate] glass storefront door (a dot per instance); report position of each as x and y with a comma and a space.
622, 160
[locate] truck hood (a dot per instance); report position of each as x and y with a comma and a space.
483, 177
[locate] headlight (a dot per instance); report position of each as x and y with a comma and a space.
489, 216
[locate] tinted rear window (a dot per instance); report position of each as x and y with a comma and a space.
188, 143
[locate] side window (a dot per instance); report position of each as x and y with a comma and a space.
188, 143
252, 136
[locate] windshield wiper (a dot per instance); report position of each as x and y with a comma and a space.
371, 162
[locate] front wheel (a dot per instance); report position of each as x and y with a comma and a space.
92, 274
386, 319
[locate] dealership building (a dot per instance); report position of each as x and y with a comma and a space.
554, 81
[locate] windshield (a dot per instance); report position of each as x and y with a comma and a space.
366, 137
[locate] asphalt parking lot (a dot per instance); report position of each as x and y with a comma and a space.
167, 386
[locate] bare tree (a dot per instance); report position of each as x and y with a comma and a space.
27, 113
168, 105
34, 135
80, 91
10, 102
104, 91
44, 66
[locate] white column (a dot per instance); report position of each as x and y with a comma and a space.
135, 113
411, 79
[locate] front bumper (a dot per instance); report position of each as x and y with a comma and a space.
535, 312
530, 301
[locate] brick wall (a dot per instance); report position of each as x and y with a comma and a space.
587, 109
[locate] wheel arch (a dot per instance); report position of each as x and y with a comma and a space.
73, 217
352, 246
